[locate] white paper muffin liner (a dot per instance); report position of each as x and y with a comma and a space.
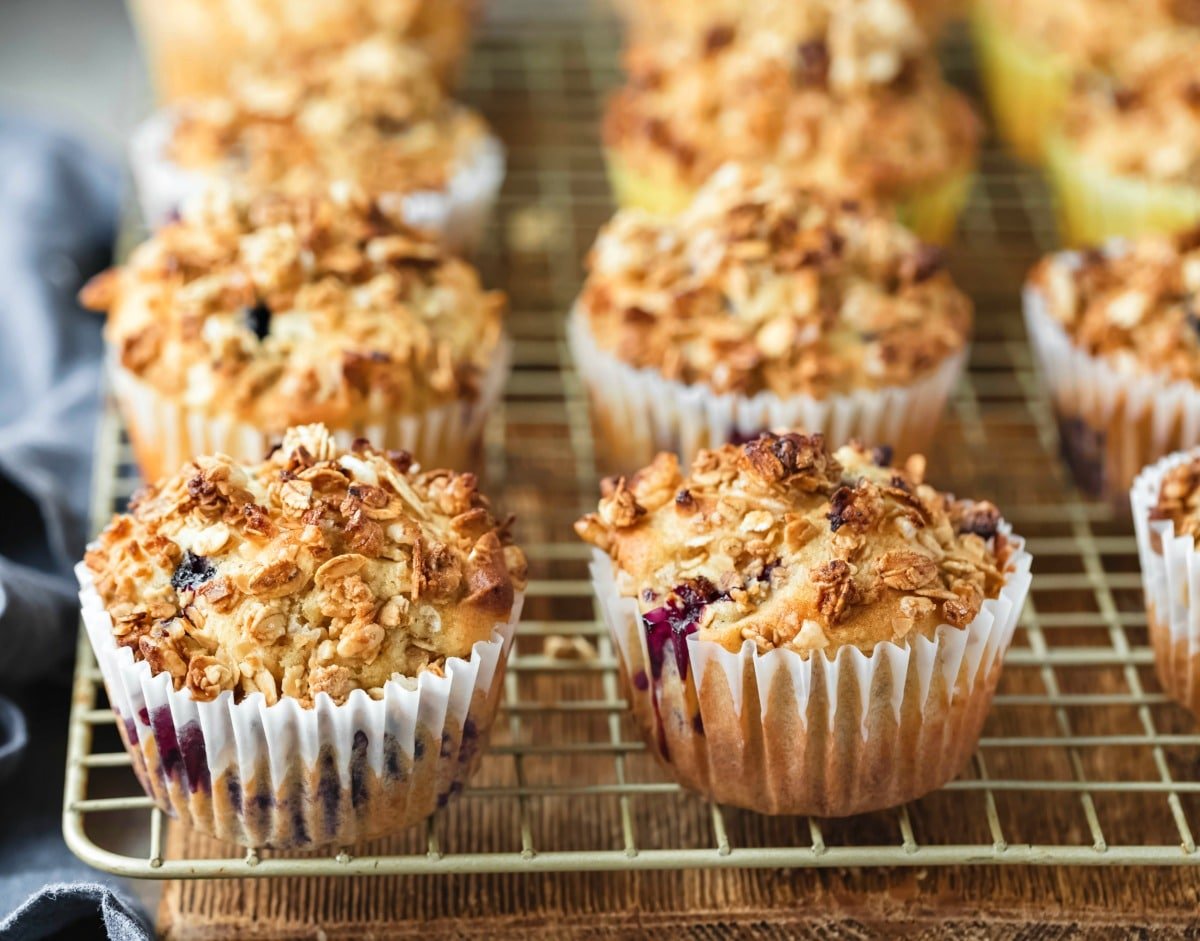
456, 215
166, 433
288, 777
638, 412
826, 736
1171, 582
1112, 423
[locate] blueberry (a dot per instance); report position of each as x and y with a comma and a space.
258, 319
192, 571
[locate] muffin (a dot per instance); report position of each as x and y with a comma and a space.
255, 313
765, 304
1116, 334
804, 632
308, 650
191, 46
1030, 52
370, 114
855, 108
1125, 158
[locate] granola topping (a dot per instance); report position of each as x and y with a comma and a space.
766, 285
1135, 303
319, 570
286, 310
877, 120
790, 546
1179, 498
371, 113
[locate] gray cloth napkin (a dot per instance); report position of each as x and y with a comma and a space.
58, 206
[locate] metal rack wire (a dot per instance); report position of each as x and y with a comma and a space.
1083, 760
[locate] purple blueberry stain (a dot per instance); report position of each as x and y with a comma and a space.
195, 758
192, 571
641, 680
329, 791
233, 791
358, 770
393, 763
698, 724
170, 758
258, 319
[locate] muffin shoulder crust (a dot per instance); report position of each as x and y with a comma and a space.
784, 544
319, 570
370, 112
1136, 303
872, 116
1179, 498
288, 310
765, 285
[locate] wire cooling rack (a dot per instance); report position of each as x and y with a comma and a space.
1083, 760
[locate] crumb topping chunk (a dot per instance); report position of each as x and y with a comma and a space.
873, 117
787, 545
767, 285
1136, 303
319, 570
285, 310
370, 112
1179, 498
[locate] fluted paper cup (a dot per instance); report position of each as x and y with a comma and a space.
638, 413
287, 777
166, 432
780, 733
456, 216
1171, 582
1111, 423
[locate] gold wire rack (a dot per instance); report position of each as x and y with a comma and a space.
1083, 761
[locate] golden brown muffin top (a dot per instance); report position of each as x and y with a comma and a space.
285, 310
782, 543
1179, 498
766, 285
319, 570
1136, 303
1089, 34
371, 113
1144, 119
879, 123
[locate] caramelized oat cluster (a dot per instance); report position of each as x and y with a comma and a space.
1144, 120
784, 544
1138, 304
877, 119
764, 285
371, 113
317, 571
287, 310
1179, 498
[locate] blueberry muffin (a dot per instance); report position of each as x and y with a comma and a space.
370, 114
779, 610
1165, 499
1031, 52
253, 313
307, 650
1125, 157
866, 112
191, 46
1116, 333
764, 304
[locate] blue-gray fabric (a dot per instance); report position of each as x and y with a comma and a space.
58, 209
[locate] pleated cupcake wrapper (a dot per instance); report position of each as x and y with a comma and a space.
457, 215
1171, 582
1112, 423
166, 433
930, 211
827, 736
639, 412
1095, 205
1025, 87
289, 777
